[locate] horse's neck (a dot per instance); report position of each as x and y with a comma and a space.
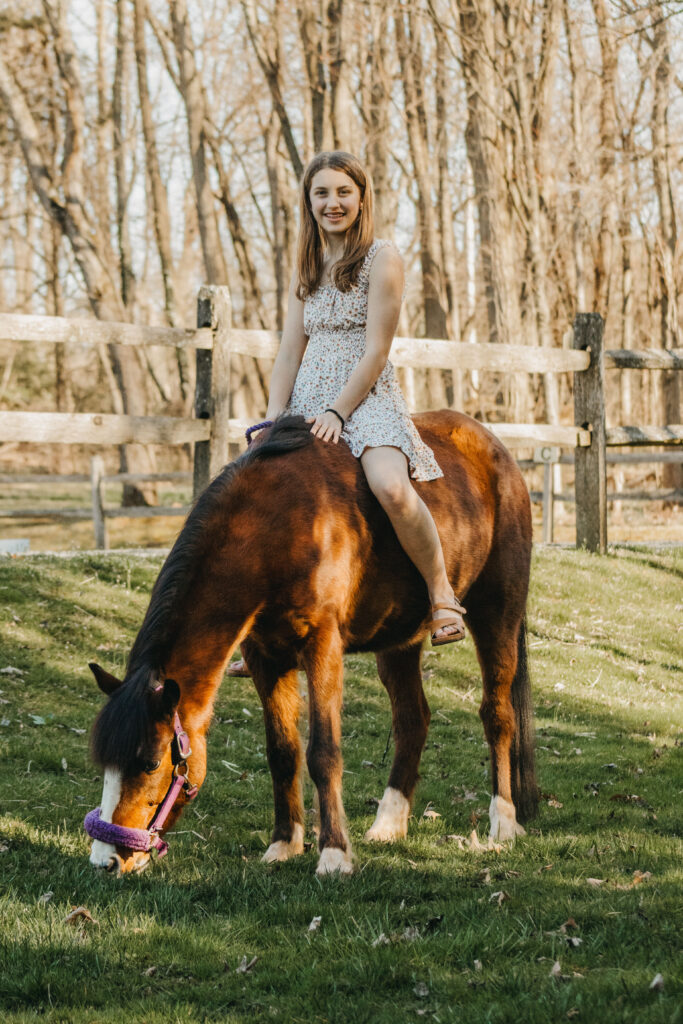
202, 650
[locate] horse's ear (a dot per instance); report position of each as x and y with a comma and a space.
106, 682
169, 697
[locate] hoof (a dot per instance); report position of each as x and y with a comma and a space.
504, 820
391, 821
334, 861
283, 850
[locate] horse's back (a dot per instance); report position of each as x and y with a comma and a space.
482, 500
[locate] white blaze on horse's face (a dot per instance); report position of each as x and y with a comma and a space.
103, 855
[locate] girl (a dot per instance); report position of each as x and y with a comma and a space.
332, 366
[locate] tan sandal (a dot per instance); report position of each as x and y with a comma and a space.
238, 670
436, 624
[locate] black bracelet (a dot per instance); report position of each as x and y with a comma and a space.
339, 416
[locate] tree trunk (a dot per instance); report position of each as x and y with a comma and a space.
667, 231
608, 184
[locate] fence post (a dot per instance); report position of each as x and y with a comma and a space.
98, 521
212, 387
589, 412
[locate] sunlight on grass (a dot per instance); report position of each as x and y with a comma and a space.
423, 928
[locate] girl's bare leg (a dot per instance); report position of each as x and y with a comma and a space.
386, 470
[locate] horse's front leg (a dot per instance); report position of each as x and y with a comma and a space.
325, 670
279, 693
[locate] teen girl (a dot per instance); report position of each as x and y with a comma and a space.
333, 363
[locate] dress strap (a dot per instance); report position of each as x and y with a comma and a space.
379, 243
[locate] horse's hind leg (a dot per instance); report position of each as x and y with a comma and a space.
497, 650
322, 660
400, 673
279, 693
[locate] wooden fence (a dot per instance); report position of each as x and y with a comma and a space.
213, 429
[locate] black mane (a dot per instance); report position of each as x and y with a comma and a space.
123, 727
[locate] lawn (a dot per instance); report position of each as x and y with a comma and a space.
572, 922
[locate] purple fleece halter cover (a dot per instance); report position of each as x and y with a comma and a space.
116, 835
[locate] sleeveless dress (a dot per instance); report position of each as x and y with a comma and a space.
335, 324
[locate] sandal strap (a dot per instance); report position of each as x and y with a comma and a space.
455, 607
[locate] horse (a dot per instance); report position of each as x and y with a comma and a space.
289, 554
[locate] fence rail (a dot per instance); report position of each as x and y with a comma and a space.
213, 429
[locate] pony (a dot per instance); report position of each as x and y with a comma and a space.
288, 554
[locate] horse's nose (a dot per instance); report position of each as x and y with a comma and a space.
114, 865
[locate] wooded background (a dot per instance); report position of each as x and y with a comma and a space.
526, 157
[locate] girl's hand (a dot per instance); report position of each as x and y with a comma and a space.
326, 426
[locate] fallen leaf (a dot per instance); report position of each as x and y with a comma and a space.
657, 983
429, 813
574, 1012
247, 712
65, 766
410, 934
574, 941
4, 848
421, 990
10, 670
315, 924
433, 923
150, 972
80, 915
641, 876
244, 967
556, 970
452, 838
498, 897
595, 881
381, 940
45, 898
37, 719
485, 876
367, 764
473, 843
628, 798
478, 965
554, 803
569, 923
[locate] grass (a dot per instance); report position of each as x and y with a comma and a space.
421, 930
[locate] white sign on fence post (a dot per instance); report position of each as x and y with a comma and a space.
548, 454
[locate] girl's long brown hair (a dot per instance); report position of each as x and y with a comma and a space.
359, 237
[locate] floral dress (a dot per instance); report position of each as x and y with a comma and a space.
335, 324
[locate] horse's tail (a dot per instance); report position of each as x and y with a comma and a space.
522, 761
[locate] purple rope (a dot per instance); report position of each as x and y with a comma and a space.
257, 426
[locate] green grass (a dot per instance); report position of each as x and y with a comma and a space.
605, 639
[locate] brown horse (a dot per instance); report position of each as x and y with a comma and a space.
288, 553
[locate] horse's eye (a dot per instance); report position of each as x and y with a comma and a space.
151, 766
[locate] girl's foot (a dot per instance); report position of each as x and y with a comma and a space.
447, 628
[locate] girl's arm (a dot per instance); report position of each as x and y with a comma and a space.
385, 295
289, 356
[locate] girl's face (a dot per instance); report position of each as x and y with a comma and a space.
335, 201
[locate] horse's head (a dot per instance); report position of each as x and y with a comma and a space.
149, 771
